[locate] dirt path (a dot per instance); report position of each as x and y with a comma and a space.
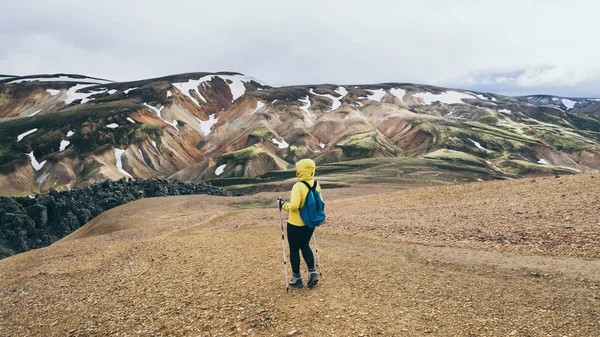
201, 267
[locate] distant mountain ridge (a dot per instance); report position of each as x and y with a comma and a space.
62, 131
7, 79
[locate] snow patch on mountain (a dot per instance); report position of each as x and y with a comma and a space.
342, 91
377, 95
322, 145
112, 91
569, 103
35, 113
206, 126
282, 145
158, 113
73, 94
112, 126
448, 97
36, 165
63, 145
477, 144
306, 104
237, 85
543, 161
335, 100
309, 117
130, 89
25, 134
506, 111
220, 169
169, 94
192, 85
154, 144
479, 96
398, 93
61, 78
53, 92
153, 109
70, 133
118, 156
259, 105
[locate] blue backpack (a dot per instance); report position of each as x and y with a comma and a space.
313, 210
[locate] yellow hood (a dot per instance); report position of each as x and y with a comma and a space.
305, 169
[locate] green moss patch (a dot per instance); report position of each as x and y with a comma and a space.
263, 133
255, 204
362, 145
241, 156
89, 170
565, 144
485, 128
522, 167
456, 156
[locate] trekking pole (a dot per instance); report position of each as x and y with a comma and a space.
287, 287
317, 252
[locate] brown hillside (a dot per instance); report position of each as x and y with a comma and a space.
518, 258
68, 131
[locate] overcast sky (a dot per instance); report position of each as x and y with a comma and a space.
510, 47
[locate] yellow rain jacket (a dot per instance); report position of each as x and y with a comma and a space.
305, 171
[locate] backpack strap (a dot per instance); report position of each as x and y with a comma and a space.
314, 187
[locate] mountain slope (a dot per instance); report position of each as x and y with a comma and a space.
504, 258
63, 131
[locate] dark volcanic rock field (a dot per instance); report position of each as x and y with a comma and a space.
30, 223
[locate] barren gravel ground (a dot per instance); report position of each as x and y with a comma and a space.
512, 258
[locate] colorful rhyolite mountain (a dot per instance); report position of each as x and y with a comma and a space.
64, 131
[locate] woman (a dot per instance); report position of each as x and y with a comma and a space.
297, 232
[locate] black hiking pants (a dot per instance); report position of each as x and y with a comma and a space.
299, 239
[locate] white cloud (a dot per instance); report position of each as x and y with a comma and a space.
536, 77
554, 80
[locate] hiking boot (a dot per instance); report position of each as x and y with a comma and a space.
296, 282
313, 279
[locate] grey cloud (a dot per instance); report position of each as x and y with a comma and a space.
287, 42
